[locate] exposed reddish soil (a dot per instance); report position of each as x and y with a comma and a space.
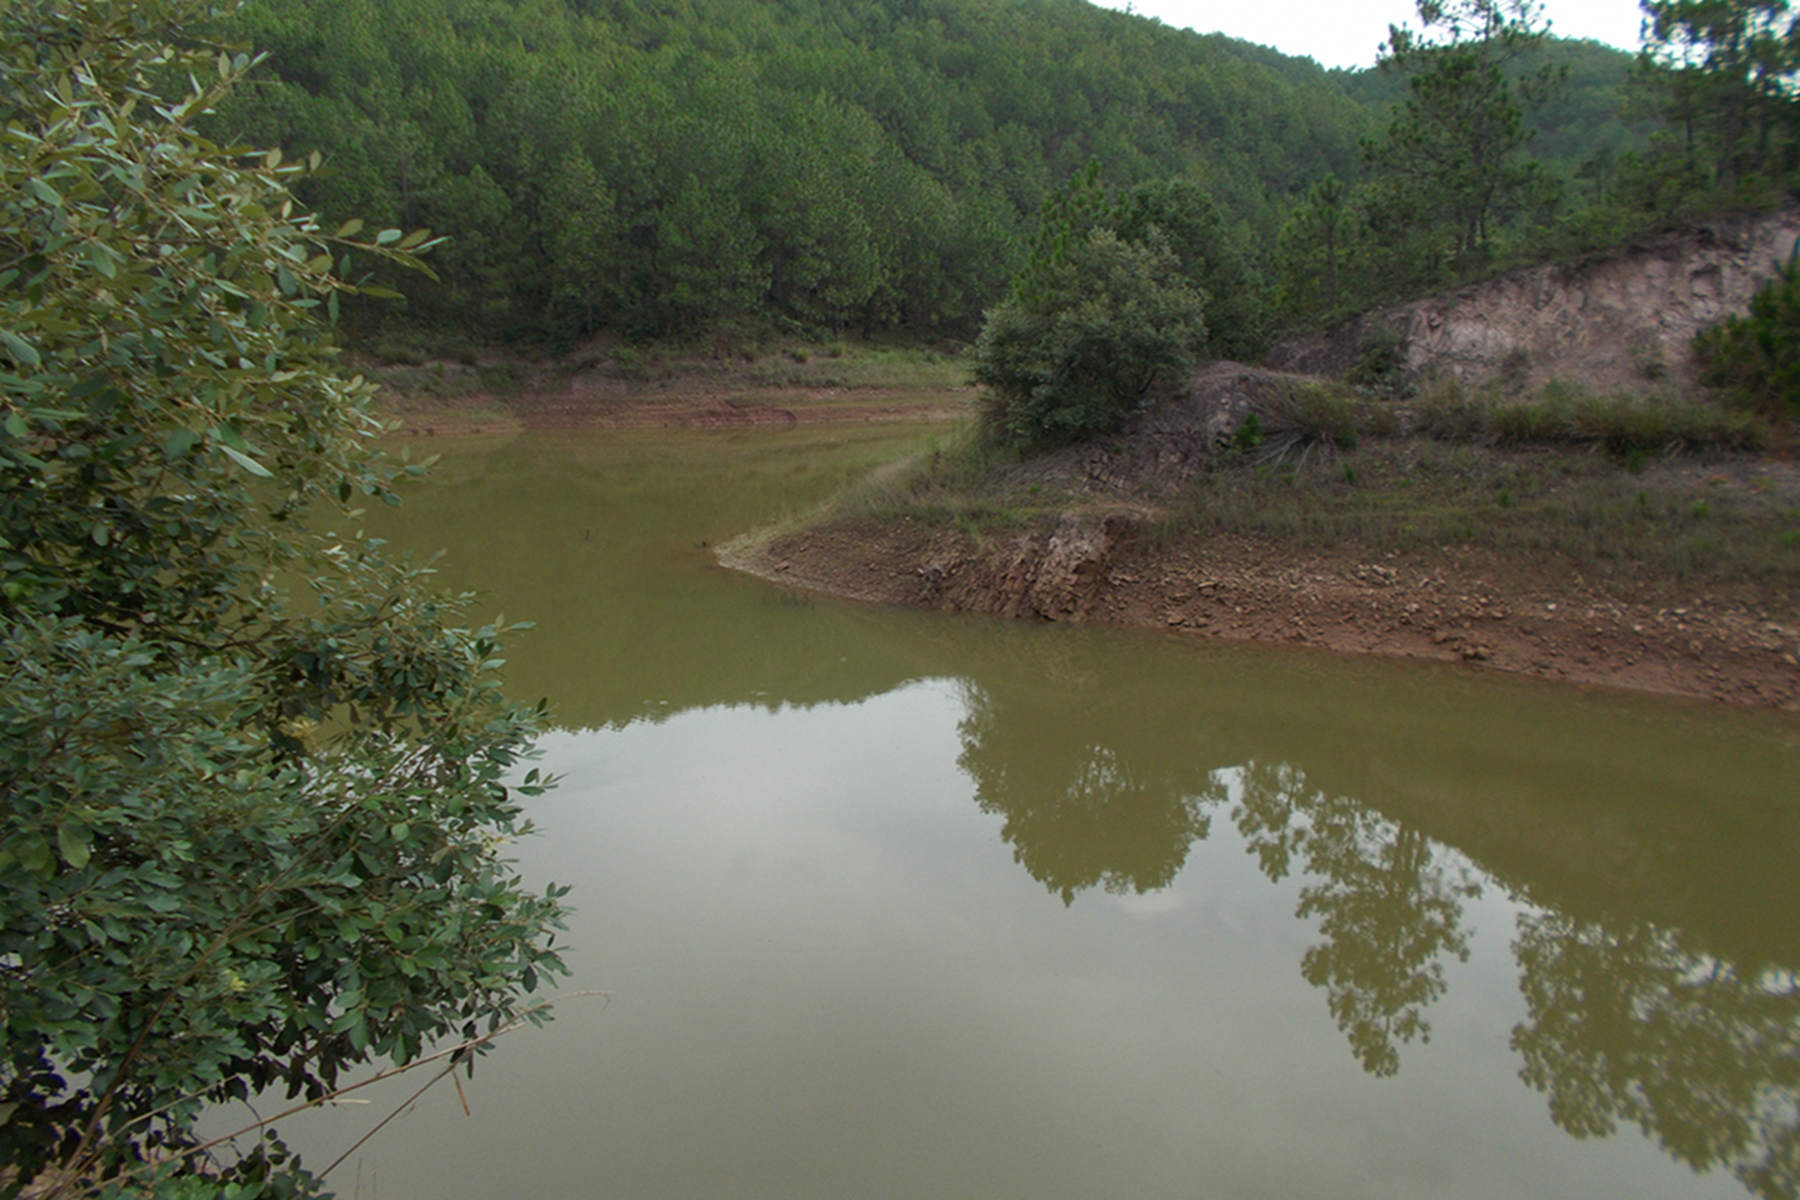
1461, 606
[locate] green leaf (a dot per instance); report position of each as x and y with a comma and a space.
245, 461
179, 442
386, 236
101, 260
43, 191
23, 352
350, 228
15, 425
75, 843
34, 855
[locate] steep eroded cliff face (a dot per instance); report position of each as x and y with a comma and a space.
1620, 323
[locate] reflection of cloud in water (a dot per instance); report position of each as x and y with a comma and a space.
1150, 904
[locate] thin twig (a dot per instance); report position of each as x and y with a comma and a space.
518, 1022
382, 1124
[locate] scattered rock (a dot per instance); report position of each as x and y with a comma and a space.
1094, 568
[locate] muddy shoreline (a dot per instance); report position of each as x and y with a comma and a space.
1480, 608
515, 414
1465, 606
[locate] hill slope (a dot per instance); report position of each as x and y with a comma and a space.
660, 168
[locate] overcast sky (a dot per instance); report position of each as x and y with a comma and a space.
1347, 33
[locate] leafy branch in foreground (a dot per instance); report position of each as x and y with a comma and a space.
247, 841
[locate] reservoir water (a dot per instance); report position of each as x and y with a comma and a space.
898, 904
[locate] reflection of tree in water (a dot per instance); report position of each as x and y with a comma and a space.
1629, 1026
1387, 900
1626, 1024
1079, 812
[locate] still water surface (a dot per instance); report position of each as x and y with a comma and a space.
906, 904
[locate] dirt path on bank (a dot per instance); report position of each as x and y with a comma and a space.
1462, 606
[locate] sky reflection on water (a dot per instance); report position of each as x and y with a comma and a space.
897, 904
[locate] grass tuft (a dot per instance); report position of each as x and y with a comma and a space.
1290, 425
1563, 415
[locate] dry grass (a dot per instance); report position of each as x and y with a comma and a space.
1567, 416
1726, 519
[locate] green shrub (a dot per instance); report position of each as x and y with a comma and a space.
1380, 360
1448, 414
1547, 420
1626, 427
399, 350
248, 841
1312, 416
1248, 435
1210, 254
1756, 358
1081, 343
1315, 414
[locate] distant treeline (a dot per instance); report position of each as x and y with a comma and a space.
655, 168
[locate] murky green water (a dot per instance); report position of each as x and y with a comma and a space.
901, 904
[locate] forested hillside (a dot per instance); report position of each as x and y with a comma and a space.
660, 167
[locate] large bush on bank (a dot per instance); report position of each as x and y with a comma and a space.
1086, 335
247, 840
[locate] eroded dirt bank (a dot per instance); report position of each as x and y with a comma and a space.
1623, 321
1462, 606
